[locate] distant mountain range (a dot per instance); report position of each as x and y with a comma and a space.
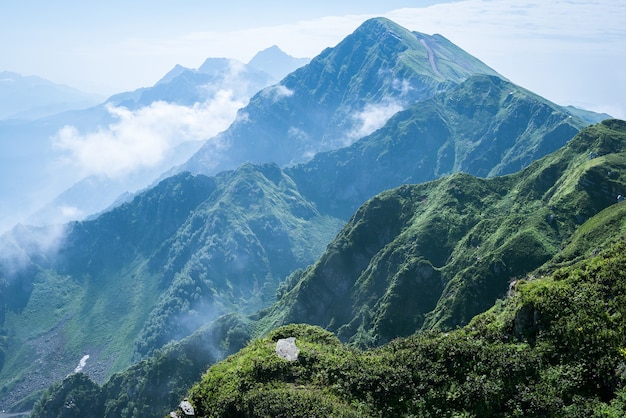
31, 97
29, 155
313, 221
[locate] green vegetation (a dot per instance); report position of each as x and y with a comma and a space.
232, 252
124, 285
485, 126
434, 255
77, 396
556, 348
154, 270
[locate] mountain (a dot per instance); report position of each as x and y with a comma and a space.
433, 255
38, 186
186, 86
518, 343
485, 126
274, 61
31, 97
343, 94
553, 348
149, 271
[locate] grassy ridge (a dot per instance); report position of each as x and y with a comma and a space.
433, 255
556, 347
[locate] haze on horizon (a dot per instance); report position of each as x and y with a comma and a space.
569, 51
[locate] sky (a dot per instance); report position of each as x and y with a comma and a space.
572, 52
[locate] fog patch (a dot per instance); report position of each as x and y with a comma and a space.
142, 138
303, 139
233, 79
276, 93
23, 245
71, 212
403, 86
371, 118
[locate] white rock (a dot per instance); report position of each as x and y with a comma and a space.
187, 408
286, 349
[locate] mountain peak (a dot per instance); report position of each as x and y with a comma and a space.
218, 65
272, 51
276, 62
344, 93
380, 23
173, 73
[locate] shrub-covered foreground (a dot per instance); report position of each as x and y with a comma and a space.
555, 347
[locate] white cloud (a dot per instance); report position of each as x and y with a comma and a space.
403, 86
371, 118
276, 92
143, 138
70, 212
20, 243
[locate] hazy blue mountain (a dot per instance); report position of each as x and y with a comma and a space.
343, 94
587, 115
31, 97
30, 171
274, 61
186, 86
34, 182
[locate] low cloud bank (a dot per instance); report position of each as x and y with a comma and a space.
142, 138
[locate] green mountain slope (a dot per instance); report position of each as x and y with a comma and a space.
485, 126
432, 256
554, 348
429, 256
330, 102
153, 270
